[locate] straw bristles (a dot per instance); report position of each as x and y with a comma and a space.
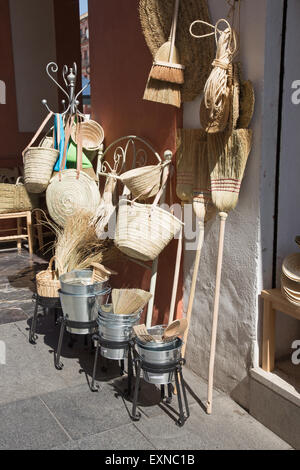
202, 200
167, 73
227, 157
234, 82
128, 301
164, 70
163, 92
188, 147
247, 104
77, 246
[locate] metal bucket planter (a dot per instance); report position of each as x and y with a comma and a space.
116, 329
159, 354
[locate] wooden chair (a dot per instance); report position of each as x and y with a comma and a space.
20, 235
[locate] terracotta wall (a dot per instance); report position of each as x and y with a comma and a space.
120, 64
66, 12
12, 142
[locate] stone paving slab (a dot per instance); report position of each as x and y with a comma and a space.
214, 432
27, 424
83, 413
126, 437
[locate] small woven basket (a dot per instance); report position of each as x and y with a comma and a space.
15, 198
47, 283
38, 163
144, 182
144, 230
92, 135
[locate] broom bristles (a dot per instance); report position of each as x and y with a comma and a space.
228, 155
167, 73
202, 200
163, 92
165, 69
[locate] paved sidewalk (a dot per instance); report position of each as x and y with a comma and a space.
43, 408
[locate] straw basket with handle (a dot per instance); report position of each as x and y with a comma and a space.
38, 163
15, 198
47, 282
144, 182
71, 190
144, 230
92, 135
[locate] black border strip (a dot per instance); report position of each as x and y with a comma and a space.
278, 150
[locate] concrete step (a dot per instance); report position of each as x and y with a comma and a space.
276, 404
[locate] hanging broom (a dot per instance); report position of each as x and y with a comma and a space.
166, 66
227, 158
158, 89
189, 148
204, 210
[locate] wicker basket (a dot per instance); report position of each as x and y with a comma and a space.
92, 135
144, 182
144, 230
47, 284
15, 198
38, 163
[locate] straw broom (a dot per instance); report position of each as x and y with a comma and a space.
158, 89
166, 65
189, 147
227, 158
204, 209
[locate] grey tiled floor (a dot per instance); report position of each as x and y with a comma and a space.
42, 408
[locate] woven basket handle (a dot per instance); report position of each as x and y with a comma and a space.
79, 146
50, 267
38, 132
68, 130
166, 174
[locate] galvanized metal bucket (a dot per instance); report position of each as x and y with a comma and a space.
81, 300
159, 354
116, 329
80, 282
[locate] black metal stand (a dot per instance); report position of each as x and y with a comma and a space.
47, 303
111, 345
70, 324
176, 368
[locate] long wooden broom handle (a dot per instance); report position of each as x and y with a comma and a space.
194, 282
176, 276
223, 217
174, 29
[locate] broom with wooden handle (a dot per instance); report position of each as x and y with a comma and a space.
227, 158
204, 210
161, 91
166, 65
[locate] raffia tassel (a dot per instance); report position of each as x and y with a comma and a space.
227, 156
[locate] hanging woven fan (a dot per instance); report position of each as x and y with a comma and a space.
156, 18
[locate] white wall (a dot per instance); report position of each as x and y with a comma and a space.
34, 46
241, 281
288, 329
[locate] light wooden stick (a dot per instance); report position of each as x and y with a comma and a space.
176, 276
194, 282
223, 217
